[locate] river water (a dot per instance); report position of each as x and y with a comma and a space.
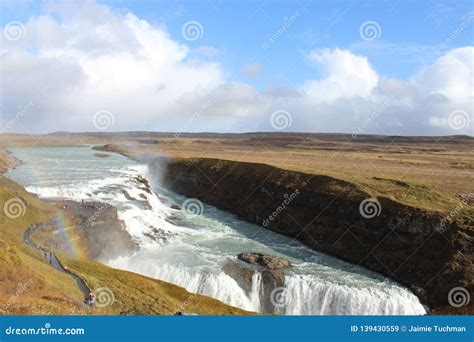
201, 240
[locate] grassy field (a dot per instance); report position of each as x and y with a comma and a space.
29, 285
428, 172
417, 172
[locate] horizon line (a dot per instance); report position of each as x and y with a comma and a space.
232, 133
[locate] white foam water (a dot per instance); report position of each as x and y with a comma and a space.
310, 295
191, 250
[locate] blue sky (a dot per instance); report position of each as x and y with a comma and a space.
410, 37
239, 28
411, 31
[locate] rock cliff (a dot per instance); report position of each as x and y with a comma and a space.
414, 246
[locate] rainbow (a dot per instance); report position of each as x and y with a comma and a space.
73, 239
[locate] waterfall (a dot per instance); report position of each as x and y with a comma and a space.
256, 292
308, 295
215, 285
304, 295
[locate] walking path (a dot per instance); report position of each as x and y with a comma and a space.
56, 263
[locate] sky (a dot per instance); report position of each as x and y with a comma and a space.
354, 66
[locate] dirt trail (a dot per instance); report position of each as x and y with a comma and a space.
56, 263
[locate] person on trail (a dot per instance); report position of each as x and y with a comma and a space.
92, 298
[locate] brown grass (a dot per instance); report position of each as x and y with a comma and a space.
428, 172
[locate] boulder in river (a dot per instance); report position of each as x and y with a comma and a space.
272, 280
242, 275
271, 268
128, 196
144, 184
102, 155
158, 234
267, 261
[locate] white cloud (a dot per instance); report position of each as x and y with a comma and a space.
94, 59
227, 99
346, 75
76, 60
352, 97
451, 75
279, 92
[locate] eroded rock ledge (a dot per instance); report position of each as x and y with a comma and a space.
402, 242
270, 267
104, 234
267, 261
